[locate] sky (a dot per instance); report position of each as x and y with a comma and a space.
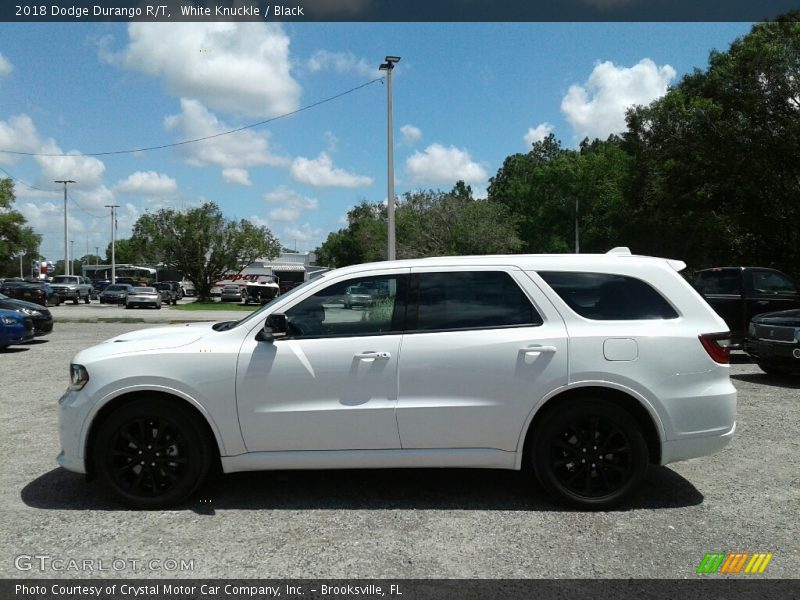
465, 97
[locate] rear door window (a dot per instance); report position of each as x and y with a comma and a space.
607, 297
468, 300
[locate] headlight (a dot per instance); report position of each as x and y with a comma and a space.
31, 312
79, 376
8, 320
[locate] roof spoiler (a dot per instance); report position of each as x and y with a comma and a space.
678, 265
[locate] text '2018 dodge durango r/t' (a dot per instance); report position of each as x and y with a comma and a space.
583, 369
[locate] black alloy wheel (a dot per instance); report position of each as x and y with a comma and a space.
152, 453
589, 453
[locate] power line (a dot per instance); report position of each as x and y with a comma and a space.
27, 185
208, 137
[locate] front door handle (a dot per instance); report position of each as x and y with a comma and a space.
537, 350
372, 356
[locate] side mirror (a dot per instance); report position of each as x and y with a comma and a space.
275, 327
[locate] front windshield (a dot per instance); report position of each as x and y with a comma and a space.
62, 279
260, 311
116, 288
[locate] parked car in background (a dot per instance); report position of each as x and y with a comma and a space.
42, 319
583, 369
72, 287
231, 293
38, 292
15, 328
170, 291
98, 285
143, 296
187, 287
259, 293
738, 294
773, 341
115, 294
357, 295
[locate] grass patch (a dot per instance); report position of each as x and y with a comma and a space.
215, 306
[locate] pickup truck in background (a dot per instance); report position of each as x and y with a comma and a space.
738, 294
72, 287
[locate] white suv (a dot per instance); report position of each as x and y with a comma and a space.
583, 368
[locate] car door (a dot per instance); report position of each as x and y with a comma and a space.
331, 384
482, 347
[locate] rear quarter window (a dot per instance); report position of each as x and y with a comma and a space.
607, 297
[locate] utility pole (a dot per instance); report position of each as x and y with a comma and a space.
66, 231
388, 66
113, 208
97, 255
21, 276
71, 255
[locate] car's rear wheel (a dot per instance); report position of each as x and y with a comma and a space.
86, 300
152, 454
589, 453
75, 300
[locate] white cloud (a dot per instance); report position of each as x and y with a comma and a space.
597, 108
232, 151
292, 204
147, 183
410, 134
5, 66
237, 176
307, 237
18, 134
538, 133
229, 66
440, 164
320, 172
342, 62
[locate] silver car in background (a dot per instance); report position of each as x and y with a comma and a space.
143, 296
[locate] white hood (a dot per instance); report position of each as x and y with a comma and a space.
161, 338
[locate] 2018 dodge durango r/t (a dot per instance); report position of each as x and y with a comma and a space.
583, 369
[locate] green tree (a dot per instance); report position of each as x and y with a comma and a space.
16, 238
428, 223
127, 251
717, 177
201, 243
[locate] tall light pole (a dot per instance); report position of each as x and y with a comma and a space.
97, 255
388, 66
577, 233
71, 254
21, 276
113, 208
66, 233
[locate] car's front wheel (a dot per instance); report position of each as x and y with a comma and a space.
589, 453
152, 453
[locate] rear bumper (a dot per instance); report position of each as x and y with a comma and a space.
695, 447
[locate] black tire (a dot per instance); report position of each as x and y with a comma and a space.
772, 370
589, 453
56, 300
168, 436
75, 300
87, 300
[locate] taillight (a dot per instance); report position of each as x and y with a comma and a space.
718, 346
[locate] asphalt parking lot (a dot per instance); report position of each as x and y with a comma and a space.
390, 524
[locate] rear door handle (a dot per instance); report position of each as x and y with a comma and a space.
537, 350
372, 356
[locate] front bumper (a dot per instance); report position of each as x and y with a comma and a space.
779, 354
73, 410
